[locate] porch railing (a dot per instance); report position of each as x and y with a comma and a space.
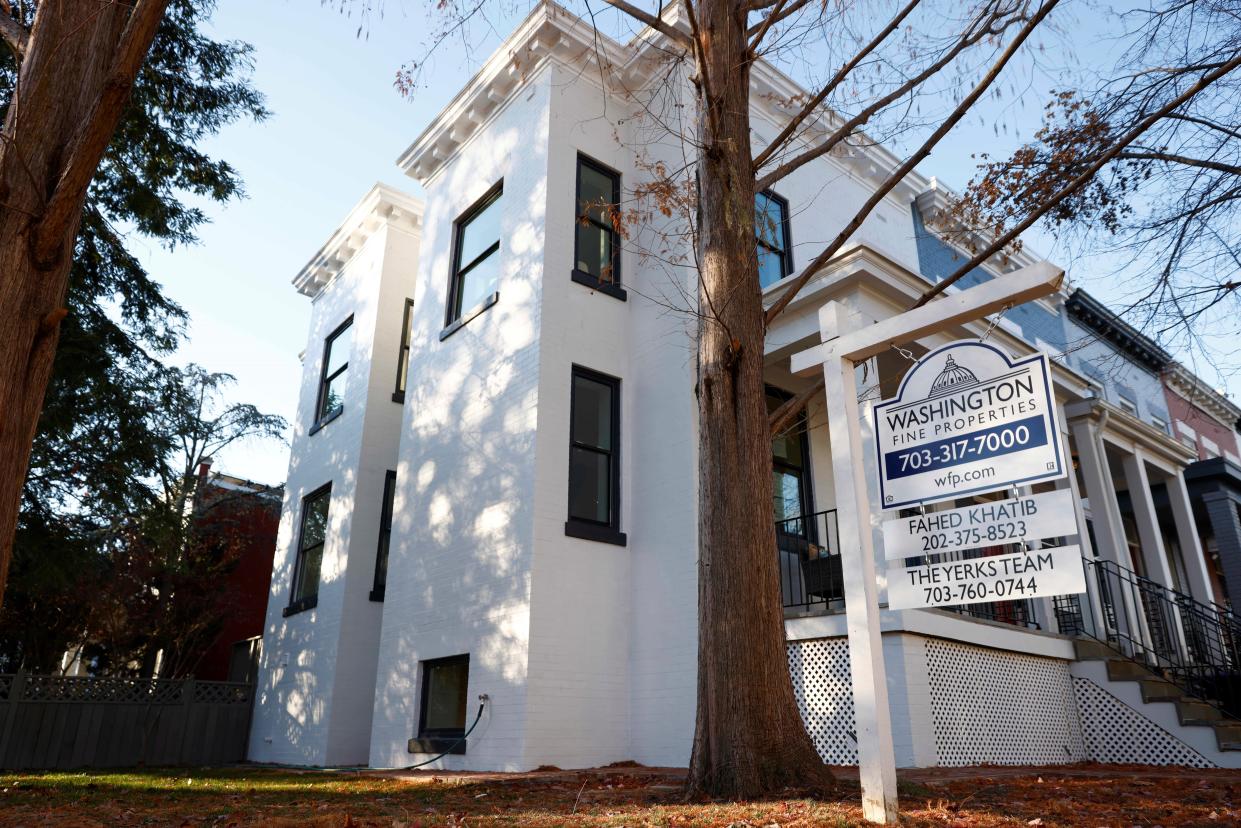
811, 579
1196, 646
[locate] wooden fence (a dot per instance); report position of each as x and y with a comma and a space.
69, 722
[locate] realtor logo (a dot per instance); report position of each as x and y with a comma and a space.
967, 419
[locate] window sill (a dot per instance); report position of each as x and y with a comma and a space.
309, 602
613, 290
454, 745
595, 532
331, 415
377, 594
469, 315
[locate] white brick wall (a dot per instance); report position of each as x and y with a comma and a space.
315, 681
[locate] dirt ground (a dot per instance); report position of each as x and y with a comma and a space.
1076, 795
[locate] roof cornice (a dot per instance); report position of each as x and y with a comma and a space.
549, 32
1197, 393
1096, 316
381, 206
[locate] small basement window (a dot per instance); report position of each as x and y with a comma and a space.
441, 720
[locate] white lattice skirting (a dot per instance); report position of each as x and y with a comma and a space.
986, 706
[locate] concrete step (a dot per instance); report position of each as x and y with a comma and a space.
1089, 649
1194, 712
1228, 734
1159, 690
1122, 669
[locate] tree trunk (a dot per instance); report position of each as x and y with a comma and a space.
72, 85
749, 739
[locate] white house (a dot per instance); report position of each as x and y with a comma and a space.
492, 489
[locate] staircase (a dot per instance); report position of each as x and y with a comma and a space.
1154, 689
1160, 700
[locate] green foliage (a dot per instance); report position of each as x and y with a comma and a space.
104, 440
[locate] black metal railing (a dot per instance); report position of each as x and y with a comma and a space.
1196, 646
811, 578
808, 552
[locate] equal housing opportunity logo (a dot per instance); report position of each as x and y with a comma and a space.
967, 419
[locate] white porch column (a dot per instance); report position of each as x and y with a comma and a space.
1104, 507
1154, 555
1109, 530
1187, 538
1094, 606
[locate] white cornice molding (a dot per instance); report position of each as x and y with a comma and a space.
382, 205
1123, 428
1191, 388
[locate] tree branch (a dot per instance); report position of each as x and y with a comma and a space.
1218, 166
96, 132
904, 169
783, 416
774, 18
967, 40
836, 80
650, 20
1083, 178
13, 32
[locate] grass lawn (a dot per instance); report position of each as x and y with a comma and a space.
1079, 795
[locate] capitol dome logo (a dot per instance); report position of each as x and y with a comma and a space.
952, 379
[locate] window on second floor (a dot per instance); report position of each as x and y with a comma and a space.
310, 541
1160, 423
385, 537
332, 378
771, 226
594, 458
402, 358
476, 257
1127, 405
596, 242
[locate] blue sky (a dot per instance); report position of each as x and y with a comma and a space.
337, 127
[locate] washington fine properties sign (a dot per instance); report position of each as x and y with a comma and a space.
968, 420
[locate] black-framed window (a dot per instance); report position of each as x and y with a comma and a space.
385, 537
594, 457
775, 248
402, 357
596, 242
335, 371
476, 256
304, 592
443, 706
790, 468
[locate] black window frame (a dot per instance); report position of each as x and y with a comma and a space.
322, 417
804, 473
455, 317
402, 354
386, 510
786, 255
613, 287
310, 601
585, 528
438, 740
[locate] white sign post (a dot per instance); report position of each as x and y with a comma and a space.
841, 350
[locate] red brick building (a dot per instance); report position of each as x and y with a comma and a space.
250, 513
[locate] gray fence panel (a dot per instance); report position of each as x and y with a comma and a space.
58, 722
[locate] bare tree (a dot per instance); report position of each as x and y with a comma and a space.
868, 69
1143, 167
77, 60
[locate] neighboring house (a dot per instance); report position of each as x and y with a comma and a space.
250, 513
492, 489
1206, 421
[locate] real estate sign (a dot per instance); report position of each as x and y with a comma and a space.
1021, 575
991, 523
967, 419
